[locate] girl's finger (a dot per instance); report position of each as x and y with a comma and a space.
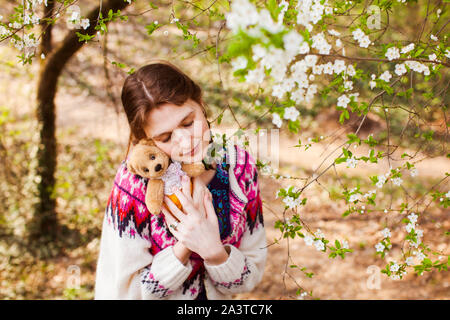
198, 194
168, 215
177, 213
209, 207
186, 186
170, 220
187, 205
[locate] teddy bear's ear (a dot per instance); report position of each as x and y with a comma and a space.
131, 168
147, 141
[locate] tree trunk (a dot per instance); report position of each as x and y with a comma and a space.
45, 223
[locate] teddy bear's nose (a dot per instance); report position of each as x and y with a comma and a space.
158, 167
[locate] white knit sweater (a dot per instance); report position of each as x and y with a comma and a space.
126, 269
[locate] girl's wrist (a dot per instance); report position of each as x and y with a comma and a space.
181, 252
219, 256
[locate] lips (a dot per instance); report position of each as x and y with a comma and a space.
193, 151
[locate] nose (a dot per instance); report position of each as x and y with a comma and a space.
158, 167
183, 138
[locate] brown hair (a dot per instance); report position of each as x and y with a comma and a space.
154, 84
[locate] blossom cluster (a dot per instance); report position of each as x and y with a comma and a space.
296, 79
316, 240
362, 38
74, 20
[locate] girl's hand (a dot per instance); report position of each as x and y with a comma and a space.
198, 227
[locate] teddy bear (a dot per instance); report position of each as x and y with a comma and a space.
148, 161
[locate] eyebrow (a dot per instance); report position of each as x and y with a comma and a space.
167, 132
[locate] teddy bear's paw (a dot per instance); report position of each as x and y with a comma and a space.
154, 207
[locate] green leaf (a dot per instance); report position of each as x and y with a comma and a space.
344, 115
152, 27
84, 37
338, 245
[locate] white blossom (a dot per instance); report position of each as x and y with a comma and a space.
361, 37
239, 63
339, 66
345, 244
348, 85
256, 75
84, 23
409, 227
266, 22
368, 194
343, 101
412, 217
291, 113
386, 76
386, 233
400, 69
276, 120
298, 95
309, 240
317, 69
419, 233
309, 12
291, 202
354, 197
351, 70
432, 57
409, 261
397, 181
420, 256
392, 53
407, 48
242, 14
334, 32
380, 247
328, 68
351, 162
418, 67
320, 43
394, 267
319, 245
258, 52
292, 42
319, 234
310, 60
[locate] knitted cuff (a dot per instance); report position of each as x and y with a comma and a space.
168, 269
229, 271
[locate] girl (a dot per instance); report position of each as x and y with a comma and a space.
216, 245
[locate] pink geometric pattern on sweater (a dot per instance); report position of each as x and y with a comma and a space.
238, 282
153, 285
247, 174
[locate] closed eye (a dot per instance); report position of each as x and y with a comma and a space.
189, 124
168, 138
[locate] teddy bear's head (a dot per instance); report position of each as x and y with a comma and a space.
147, 160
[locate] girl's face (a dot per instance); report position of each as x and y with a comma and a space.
182, 132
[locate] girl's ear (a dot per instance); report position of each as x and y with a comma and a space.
147, 142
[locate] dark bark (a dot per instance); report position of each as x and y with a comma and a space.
45, 223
